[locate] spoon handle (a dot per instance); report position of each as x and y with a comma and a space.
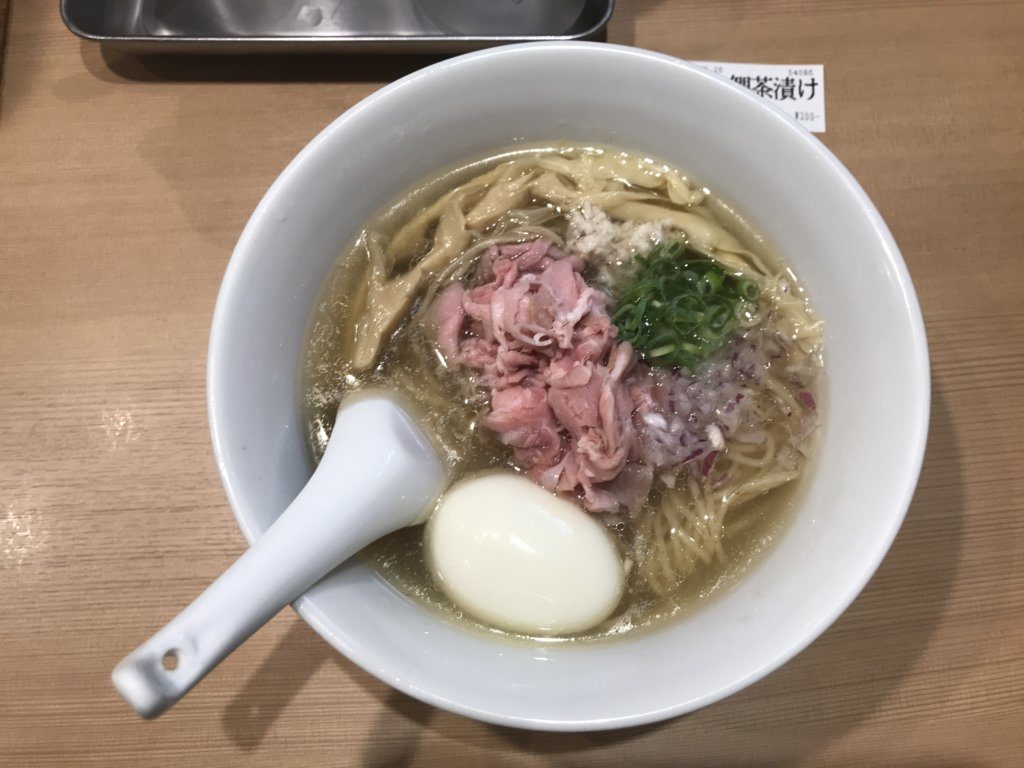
378, 474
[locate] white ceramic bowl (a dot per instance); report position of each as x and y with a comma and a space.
793, 190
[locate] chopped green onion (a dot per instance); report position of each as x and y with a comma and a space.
683, 307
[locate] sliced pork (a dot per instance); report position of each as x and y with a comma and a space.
543, 342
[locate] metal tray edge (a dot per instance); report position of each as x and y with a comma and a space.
323, 44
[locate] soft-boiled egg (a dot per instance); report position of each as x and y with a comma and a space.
522, 559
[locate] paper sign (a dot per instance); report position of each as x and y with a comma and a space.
798, 89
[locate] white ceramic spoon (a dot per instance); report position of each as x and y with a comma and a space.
378, 474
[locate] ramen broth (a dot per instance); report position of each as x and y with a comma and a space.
452, 406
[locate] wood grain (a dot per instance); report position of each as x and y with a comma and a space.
123, 185
5, 7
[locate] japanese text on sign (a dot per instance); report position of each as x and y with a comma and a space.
798, 89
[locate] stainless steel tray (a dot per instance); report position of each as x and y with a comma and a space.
342, 26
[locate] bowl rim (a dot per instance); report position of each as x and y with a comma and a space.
918, 413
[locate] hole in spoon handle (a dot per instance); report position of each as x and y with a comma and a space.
154, 676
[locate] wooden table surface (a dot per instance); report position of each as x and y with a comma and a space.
123, 186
